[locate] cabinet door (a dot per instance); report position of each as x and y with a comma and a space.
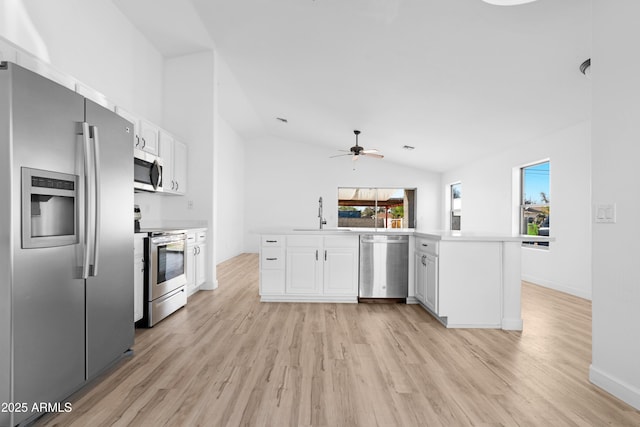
149, 137
303, 271
166, 153
180, 166
340, 275
138, 277
138, 288
420, 276
431, 295
190, 267
201, 266
137, 142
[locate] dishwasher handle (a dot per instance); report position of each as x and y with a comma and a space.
384, 242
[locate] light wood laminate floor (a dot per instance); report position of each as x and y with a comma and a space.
228, 360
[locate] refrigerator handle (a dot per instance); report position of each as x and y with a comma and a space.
96, 230
86, 150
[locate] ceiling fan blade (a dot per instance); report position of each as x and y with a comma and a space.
340, 155
377, 156
373, 150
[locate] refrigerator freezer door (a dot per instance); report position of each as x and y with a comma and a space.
109, 289
47, 291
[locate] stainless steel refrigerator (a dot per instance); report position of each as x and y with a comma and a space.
66, 242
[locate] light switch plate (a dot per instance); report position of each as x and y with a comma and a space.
605, 213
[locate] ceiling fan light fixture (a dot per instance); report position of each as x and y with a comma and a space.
507, 2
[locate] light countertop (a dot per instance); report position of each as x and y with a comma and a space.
443, 235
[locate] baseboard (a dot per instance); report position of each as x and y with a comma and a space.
512, 324
620, 389
304, 298
580, 293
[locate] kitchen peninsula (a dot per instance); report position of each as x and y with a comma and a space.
465, 280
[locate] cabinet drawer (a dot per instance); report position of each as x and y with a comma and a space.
271, 240
271, 259
272, 282
427, 245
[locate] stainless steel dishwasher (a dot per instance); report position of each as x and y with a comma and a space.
384, 266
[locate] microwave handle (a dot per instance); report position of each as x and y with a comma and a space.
86, 150
97, 223
156, 174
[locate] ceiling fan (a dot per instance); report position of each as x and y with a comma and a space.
356, 151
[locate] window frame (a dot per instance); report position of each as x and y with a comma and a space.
452, 210
410, 203
522, 206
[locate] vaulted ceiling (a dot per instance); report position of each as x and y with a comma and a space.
456, 79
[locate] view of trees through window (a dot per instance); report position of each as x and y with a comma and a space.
376, 207
535, 203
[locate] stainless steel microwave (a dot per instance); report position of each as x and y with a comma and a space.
147, 171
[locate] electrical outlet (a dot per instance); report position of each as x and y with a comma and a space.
189, 204
605, 213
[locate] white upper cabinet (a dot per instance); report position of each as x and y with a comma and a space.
149, 137
174, 155
180, 166
137, 143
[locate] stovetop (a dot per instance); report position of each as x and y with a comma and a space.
158, 231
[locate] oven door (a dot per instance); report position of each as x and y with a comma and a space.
167, 256
147, 171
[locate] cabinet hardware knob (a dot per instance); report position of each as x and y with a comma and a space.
272, 259
144, 143
316, 254
325, 255
272, 241
425, 245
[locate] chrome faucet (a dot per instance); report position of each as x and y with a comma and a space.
322, 220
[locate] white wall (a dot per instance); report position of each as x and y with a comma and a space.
189, 113
616, 132
231, 192
487, 205
285, 179
93, 42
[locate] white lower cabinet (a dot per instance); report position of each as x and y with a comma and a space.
309, 268
138, 276
431, 279
304, 271
340, 272
195, 263
426, 274
420, 276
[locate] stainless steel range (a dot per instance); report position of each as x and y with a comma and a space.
165, 277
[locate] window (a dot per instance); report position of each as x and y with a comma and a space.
535, 201
456, 205
376, 207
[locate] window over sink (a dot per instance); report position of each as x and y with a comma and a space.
362, 207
